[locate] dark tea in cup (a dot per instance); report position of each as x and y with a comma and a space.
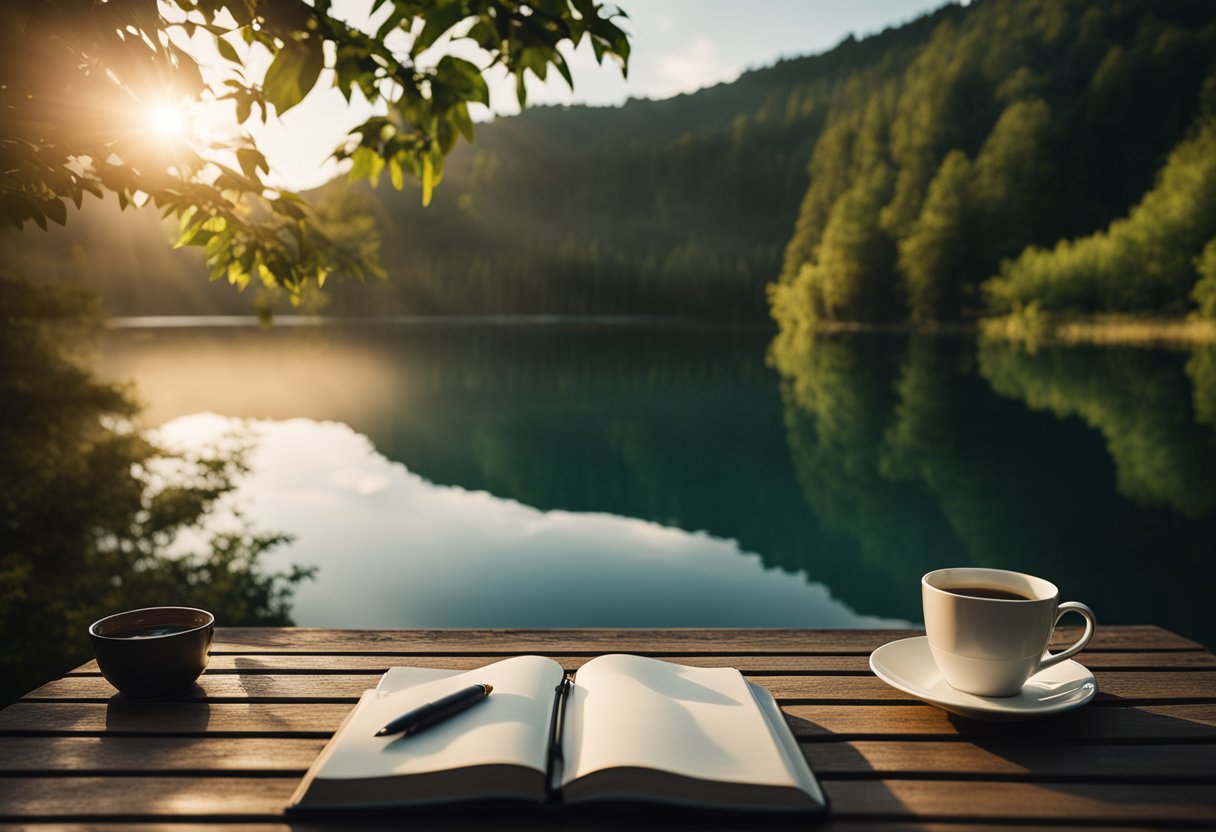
987, 592
153, 653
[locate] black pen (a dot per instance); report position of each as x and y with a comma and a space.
426, 715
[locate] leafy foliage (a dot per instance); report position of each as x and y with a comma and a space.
90, 508
78, 78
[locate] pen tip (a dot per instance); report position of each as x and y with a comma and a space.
488, 689
382, 733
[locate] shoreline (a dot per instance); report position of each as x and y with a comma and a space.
1102, 330
1038, 330
1044, 330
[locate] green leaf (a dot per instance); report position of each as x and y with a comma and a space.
395, 173
56, 211
267, 276
237, 276
428, 179
440, 18
227, 51
560, 61
393, 21
464, 123
464, 77
250, 161
293, 73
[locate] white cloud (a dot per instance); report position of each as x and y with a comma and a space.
697, 65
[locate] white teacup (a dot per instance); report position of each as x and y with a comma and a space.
991, 645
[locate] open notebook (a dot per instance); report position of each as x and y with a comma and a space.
627, 729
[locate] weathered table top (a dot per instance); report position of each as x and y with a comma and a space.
1142, 754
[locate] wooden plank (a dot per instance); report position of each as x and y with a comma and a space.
263, 798
582, 822
755, 665
1145, 723
1157, 687
1114, 688
87, 755
994, 759
226, 688
645, 642
987, 760
184, 718
158, 797
1148, 723
1082, 802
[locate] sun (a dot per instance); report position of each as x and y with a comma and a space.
167, 120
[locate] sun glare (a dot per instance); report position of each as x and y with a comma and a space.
167, 120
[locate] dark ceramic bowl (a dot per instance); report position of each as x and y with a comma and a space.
155, 652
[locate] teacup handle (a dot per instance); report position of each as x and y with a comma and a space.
1061, 611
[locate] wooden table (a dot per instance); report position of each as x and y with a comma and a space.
1143, 754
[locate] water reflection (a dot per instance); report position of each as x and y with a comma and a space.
395, 550
905, 447
1137, 400
855, 463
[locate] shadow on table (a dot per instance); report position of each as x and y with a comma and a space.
1113, 762
188, 713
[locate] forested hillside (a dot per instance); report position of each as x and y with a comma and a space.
1020, 123
680, 206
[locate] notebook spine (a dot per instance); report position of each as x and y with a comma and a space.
556, 761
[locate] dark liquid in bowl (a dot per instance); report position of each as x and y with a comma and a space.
151, 631
988, 592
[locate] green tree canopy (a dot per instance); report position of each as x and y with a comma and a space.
79, 78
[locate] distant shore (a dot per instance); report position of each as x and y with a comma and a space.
1114, 330
1109, 330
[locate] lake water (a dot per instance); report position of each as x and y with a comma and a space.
552, 475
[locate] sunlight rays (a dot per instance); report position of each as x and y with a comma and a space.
167, 120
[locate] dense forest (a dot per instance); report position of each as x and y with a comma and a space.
1005, 156
1019, 126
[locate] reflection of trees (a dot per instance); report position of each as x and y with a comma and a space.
1140, 400
1202, 370
839, 398
902, 449
89, 507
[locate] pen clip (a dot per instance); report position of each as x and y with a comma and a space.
556, 761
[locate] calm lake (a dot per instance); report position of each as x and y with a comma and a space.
643, 474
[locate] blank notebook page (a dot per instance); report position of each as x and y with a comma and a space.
697, 722
511, 726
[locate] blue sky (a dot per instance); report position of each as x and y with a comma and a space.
678, 46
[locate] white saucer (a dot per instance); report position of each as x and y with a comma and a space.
908, 666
